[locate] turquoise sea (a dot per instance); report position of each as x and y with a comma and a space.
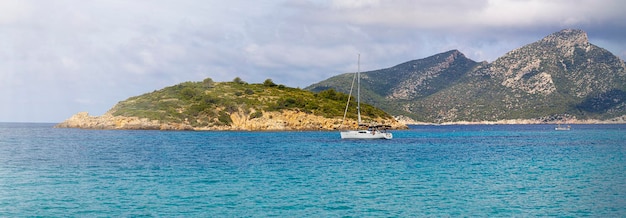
427, 171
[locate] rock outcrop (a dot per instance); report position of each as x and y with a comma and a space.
286, 120
107, 121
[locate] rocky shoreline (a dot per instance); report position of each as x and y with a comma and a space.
270, 121
617, 120
83, 120
281, 121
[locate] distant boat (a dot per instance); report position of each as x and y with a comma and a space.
562, 128
363, 131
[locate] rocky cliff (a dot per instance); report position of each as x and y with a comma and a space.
272, 121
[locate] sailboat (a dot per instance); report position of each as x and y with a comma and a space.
363, 131
562, 128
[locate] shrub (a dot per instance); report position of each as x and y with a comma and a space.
332, 95
187, 93
269, 83
224, 118
238, 80
208, 83
256, 114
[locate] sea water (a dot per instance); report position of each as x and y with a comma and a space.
436, 171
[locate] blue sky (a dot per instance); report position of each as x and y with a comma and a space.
61, 57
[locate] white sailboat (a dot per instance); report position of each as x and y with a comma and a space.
562, 128
363, 131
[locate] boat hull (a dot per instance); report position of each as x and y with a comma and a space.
365, 134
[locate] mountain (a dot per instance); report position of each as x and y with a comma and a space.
236, 105
560, 77
392, 88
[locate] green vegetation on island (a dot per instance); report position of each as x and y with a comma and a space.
208, 103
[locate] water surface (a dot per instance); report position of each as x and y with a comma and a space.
475, 170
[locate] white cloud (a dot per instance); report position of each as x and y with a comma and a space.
354, 4
101, 52
474, 15
13, 10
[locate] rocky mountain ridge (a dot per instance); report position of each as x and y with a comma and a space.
562, 76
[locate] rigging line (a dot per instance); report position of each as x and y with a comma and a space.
358, 90
348, 103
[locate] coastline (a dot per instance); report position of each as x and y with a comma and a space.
518, 122
270, 121
289, 121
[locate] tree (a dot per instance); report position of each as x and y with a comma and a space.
208, 83
269, 83
238, 80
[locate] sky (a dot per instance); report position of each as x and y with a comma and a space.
61, 57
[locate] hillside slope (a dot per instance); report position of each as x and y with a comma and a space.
560, 77
233, 105
391, 89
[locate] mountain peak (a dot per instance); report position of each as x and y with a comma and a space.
454, 53
568, 37
560, 75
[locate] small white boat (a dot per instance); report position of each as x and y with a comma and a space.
562, 128
372, 132
363, 131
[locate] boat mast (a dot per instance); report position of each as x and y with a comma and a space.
358, 89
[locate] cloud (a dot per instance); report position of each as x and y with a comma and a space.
68, 56
354, 4
13, 11
476, 14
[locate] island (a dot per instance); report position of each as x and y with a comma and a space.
235, 106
